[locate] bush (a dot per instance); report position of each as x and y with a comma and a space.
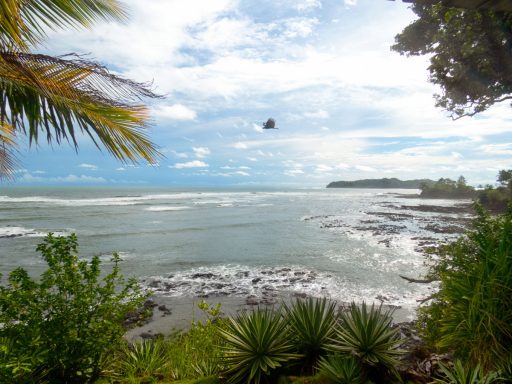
311, 323
256, 344
466, 375
365, 333
341, 369
63, 325
472, 311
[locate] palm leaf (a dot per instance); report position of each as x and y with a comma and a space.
53, 95
23, 22
8, 147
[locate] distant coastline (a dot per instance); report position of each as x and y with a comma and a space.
382, 183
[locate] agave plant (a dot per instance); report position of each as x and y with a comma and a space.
466, 375
312, 324
337, 369
145, 360
366, 334
256, 344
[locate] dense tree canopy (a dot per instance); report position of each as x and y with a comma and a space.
54, 97
470, 54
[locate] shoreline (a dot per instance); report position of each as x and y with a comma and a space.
172, 314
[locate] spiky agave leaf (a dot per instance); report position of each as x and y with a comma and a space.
366, 334
312, 322
341, 369
23, 22
460, 374
256, 343
56, 94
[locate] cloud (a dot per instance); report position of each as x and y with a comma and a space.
320, 114
71, 179
240, 145
201, 151
365, 168
175, 112
242, 173
91, 167
121, 169
350, 2
293, 172
307, 5
190, 164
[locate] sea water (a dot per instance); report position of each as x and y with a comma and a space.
337, 243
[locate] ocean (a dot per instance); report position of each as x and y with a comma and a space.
345, 244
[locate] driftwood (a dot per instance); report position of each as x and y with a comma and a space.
420, 281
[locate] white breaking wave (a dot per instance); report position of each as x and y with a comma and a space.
17, 231
162, 208
245, 281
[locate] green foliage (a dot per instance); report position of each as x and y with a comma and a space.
466, 375
341, 370
55, 97
182, 356
311, 323
256, 344
143, 362
469, 54
472, 312
366, 334
498, 199
447, 188
65, 323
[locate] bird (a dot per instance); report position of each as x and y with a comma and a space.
270, 124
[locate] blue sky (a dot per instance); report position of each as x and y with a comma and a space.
347, 107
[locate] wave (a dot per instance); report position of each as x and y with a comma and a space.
17, 231
162, 208
271, 283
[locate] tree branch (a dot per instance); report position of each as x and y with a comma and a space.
420, 281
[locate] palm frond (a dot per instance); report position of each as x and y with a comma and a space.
8, 149
55, 95
24, 22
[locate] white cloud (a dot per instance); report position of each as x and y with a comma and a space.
121, 169
350, 2
91, 167
71, 178
306, 5
365, 168
242, 173
175, 112
320, 114
240, 145
244, 167
201, 151
190, 164
293, 172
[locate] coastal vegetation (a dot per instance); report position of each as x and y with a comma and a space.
67, 326
446, 188
60, 328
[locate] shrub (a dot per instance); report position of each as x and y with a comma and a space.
63, 325
143, 362
366, 334
256, 344
466, 375
341, 369
472, 311
311, 323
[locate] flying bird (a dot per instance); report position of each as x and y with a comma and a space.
270, 124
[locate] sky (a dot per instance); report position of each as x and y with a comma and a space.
347, 107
